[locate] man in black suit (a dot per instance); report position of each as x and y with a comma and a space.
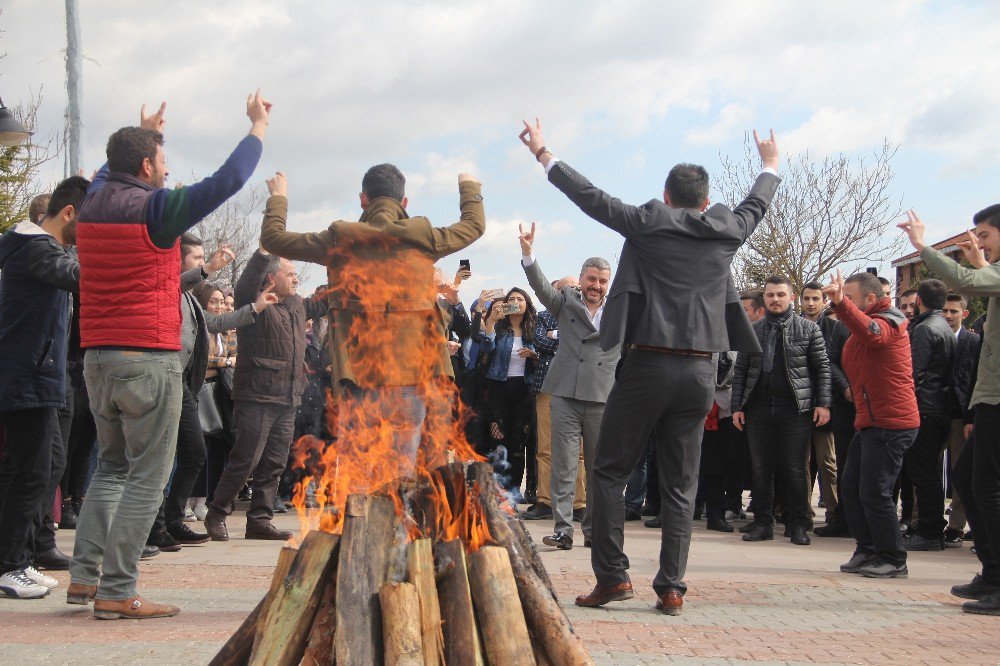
671, 295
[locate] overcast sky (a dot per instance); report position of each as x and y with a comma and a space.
624, 89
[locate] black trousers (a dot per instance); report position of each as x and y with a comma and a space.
842, 418
79, 444
510, 409
25, 476
779, 444
923, 465
669, 395
977, 480
190, 459
738, 471
716, 451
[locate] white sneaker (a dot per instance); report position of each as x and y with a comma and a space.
40, 578
200, 510
189, 516
18, 585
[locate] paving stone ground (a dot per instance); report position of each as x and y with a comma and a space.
762, 603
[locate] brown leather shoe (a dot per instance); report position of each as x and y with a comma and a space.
80, 594
602, 595
135, 608
267, 531
215, 525
670, 603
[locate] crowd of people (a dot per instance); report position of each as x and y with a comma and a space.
139, 396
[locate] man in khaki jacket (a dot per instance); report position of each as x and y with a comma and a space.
387, 341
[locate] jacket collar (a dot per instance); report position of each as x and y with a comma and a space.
923, 316
382, 211
122, 177
885, 310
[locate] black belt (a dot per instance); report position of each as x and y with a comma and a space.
673, 352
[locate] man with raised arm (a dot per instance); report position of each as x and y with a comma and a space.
666, 306
128, 240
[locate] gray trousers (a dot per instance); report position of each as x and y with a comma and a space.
136, 400
263, 436
670, 395
571, 420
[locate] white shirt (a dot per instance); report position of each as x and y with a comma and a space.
516, 366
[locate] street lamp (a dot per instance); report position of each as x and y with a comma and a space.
12, 132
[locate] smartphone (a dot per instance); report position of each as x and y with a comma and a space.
494, 294
464, 265
510, 308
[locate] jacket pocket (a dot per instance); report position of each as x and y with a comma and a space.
868, 404
268, 377
43, 357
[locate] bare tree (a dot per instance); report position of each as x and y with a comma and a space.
825, 215
20, 165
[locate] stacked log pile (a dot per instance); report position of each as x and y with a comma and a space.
437, 572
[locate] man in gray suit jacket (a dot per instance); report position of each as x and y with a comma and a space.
671, 305
579, 380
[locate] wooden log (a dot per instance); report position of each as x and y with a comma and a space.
286, 556
369, 534
236, 651
319, 647
290, 616
420, 567
461, 637
498, 608
401, 624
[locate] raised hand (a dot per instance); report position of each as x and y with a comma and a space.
768, 150
222, 258
532, 136
914, 229
835, 290
265, 299
467, 178
277, 186
971, 250
258, 110
527, 238
154, 121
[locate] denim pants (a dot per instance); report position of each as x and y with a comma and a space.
136, 400
779, 443
873, 463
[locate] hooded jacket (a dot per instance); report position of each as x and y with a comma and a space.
36, 273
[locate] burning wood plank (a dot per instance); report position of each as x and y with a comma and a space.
461, 635
420, 568
494, 593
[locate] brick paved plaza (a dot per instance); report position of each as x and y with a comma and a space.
767, 602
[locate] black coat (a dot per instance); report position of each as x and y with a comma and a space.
932, 348
806, 365
964, 369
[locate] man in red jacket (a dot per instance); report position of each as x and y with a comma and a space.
876, 360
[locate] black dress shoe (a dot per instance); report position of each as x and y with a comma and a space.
559, 540
579, 514
759, 533
977, 589
586, 542
148, 552
632, 514
52, 559
749, 527
699, 511
654, 523
539, 511
650, 510
67, 521
266, 531
163, 541
186, 536
530, 496
800, 537
719, 525
834, 529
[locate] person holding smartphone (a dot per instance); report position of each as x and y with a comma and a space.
508, 335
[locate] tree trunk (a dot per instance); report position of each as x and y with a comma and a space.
420, 561
494, 594
401, 624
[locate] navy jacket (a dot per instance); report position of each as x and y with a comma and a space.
36, 273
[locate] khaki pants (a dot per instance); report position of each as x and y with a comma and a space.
825, 452
956, 442
543, 457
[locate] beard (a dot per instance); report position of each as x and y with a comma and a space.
69, 233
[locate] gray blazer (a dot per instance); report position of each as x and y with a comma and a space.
673, 287
581, 369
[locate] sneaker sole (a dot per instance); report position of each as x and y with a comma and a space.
981, 611
972, 597
117, 615
901, 574
78, 600
553, 544
10, 593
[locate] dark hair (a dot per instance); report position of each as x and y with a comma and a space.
69, 192
129, 146
932, 293
188, 242
527, 323
687, 185
384, 180
957, 298
868, 283
908, 292
814, 285
754, 295
990, 215
204, 292
779, 279
38, 206
885, 281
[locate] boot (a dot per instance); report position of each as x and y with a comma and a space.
68, 519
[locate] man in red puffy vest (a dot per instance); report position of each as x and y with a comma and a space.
876, 360
130, 326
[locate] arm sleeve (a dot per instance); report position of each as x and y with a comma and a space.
983, 281
750, 211
834, 351
470, 226
171, 212
49, 262
597, 204
871, 332
460, 323
552, 300
921, 348
739, 381
313, 247
100, 178
191, 279
224, 322
819, 363
543, 343
248, 286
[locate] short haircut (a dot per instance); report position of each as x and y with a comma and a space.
595, 262
886, 285
384, 180
756, 296
188, 242
933, 293
687, 185
69, 192
779, 279
868, 284
990, 215
814, 286
908, 292
129, 146
38, 206
957, 298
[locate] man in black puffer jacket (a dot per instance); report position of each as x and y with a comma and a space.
932, 347
778, 394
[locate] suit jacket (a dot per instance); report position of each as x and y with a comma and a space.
581, 369
673, 287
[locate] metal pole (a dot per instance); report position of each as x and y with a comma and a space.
74, 84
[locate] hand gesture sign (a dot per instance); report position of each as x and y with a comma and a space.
914, 229
768, 150
265, 299
277, 186
154, 121
527, 238
222, 258
835, 290
971, 250
258, 108
532, 136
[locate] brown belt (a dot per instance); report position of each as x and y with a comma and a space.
673, 352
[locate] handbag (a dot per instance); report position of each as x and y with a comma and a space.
208, 409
